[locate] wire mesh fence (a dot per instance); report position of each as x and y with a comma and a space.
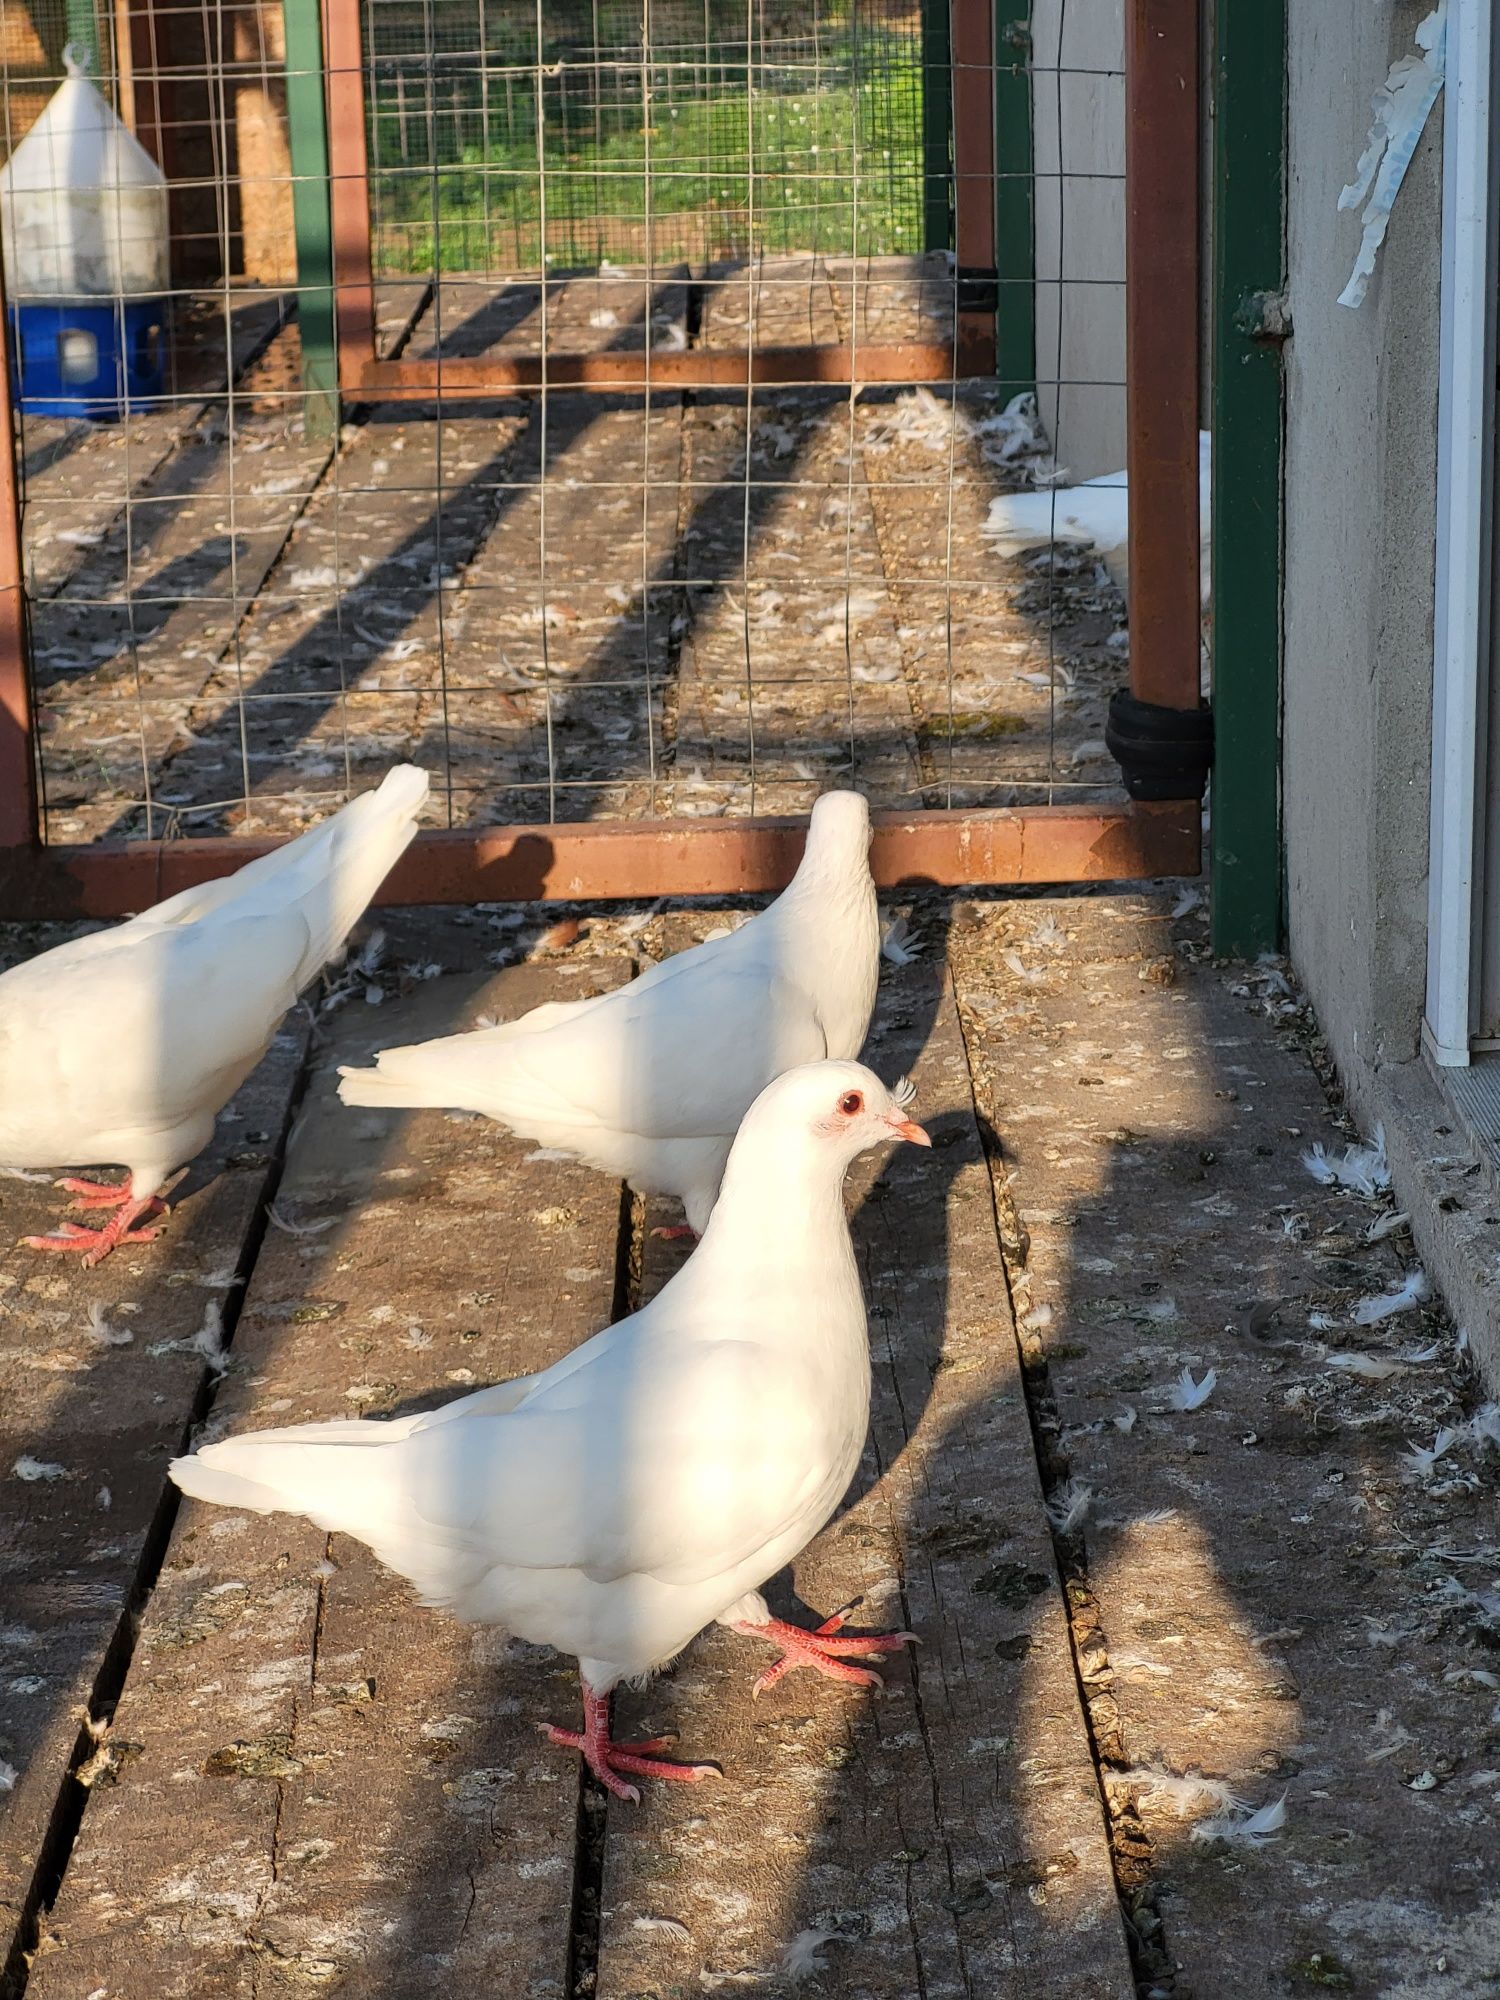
681, 598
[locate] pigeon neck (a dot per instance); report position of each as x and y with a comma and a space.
779, 1203
836, 861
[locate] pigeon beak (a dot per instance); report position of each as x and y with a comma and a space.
909, 1130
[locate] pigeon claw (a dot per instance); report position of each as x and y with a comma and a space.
94, 1245
675, 1232
827, 1651
96, 1194
608, 1759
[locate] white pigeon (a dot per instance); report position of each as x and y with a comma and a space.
1098, 511
651, 1481
649, 1082
125, 1045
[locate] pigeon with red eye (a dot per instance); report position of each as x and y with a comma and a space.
648, 1484
649, 1082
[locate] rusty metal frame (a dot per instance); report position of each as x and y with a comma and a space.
364, 377
626, 859
1163, 292
621, 860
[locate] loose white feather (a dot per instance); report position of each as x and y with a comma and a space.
803, 1956
101, 1333
36, 1471
1068, 1507
668, 1925
1186, 1792
1387, 1225
1371, 1367
900, 943
1186, 1394
1244, 1829
1414, 1290
1422, 1459
1364, 1169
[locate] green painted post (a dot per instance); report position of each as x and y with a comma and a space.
937, 127
307, 132
1015, 218
81, 27
1249, 327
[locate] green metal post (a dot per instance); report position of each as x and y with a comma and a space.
1249, 327
937, 127
81, 27
307, 132
1015, 218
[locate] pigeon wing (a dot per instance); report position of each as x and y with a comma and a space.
669, 1462
185, 1009
682, 1059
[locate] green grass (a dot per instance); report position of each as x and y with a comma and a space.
695, 163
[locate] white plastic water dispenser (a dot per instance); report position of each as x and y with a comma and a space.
83, 221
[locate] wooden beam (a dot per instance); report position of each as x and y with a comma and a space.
500, 375
1161, 347
349, 190
612, 861
973, 46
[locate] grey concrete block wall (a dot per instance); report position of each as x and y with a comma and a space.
1360, 517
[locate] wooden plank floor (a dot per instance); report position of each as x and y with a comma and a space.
90, 1411
1267, 1592
310, 1782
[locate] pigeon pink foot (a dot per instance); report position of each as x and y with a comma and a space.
822, 1651
675, 1232
94, 1245
606, 1758
101, 1194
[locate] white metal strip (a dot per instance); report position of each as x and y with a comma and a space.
1465, 476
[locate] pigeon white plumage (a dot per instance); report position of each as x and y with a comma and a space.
649, 1082
124, 1046
652, 1480
1096, 512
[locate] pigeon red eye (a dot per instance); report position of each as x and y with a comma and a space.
851, 1103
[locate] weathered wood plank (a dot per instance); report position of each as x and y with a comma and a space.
86, 1428
333, 1784
946, 1836
1279, 1601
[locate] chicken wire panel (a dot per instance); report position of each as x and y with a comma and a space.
566, 606
503, 136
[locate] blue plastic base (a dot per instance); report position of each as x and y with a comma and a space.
94, 358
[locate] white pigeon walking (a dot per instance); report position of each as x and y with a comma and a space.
650, 1482
125, 1045
1097, 512
649, 1082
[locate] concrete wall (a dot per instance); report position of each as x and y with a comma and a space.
1360, 500
1078, 92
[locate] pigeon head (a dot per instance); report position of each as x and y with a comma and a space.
840, 822
836, 1109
